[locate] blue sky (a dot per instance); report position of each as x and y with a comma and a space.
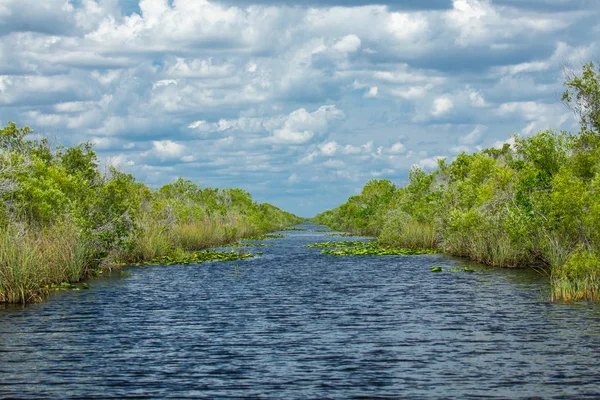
300, 103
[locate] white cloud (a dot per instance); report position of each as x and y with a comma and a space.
348, 44
474, 137
329, 148
430, 163
301, 126
372, 93
441, 106
397, 148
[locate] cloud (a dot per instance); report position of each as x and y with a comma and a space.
442, 105
372, 93
474, 136
348, 44
250, 93
397, 148
301, 126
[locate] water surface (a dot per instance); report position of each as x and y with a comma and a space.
298, 324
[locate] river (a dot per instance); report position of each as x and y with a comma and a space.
298, 324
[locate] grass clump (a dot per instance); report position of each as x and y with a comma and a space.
31, 261
577, 279
402, 230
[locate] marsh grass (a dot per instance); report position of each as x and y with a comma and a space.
488, 247
405, 231
578, 279
31, 262
36, 260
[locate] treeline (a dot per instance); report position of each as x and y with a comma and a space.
535, 203
62, 219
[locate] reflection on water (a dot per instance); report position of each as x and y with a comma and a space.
298, 324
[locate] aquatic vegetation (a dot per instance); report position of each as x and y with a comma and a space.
321, 230
200, 257
266, 237
441, 269
63, 286
336, 244
294, 229
239, 244
342, 235
374, 249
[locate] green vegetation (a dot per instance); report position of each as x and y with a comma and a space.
240, 244
199, 257
375, 249
63, 220
266, 237
294, 229
342, 235
440, 269
335, 244
535, 203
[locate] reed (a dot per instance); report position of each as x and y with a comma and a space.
402, 230
31, 260
578, 279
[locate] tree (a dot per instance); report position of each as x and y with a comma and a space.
583, 95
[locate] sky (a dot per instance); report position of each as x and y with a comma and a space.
300, 103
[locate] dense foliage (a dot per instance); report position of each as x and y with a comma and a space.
535, 203
62, 219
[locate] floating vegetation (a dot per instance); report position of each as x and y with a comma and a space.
294, 229
200, 257
440, 269
336, 244
248, 245
321, 230
374, 249
265, 237
67, 286
342, 234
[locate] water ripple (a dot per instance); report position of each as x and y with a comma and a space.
298, 324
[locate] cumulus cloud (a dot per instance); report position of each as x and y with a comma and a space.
442, 105
319, 96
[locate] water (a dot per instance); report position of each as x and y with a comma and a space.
298, 324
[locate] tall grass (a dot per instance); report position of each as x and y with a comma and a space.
578, 278
30, 261
488, 247
402, 230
